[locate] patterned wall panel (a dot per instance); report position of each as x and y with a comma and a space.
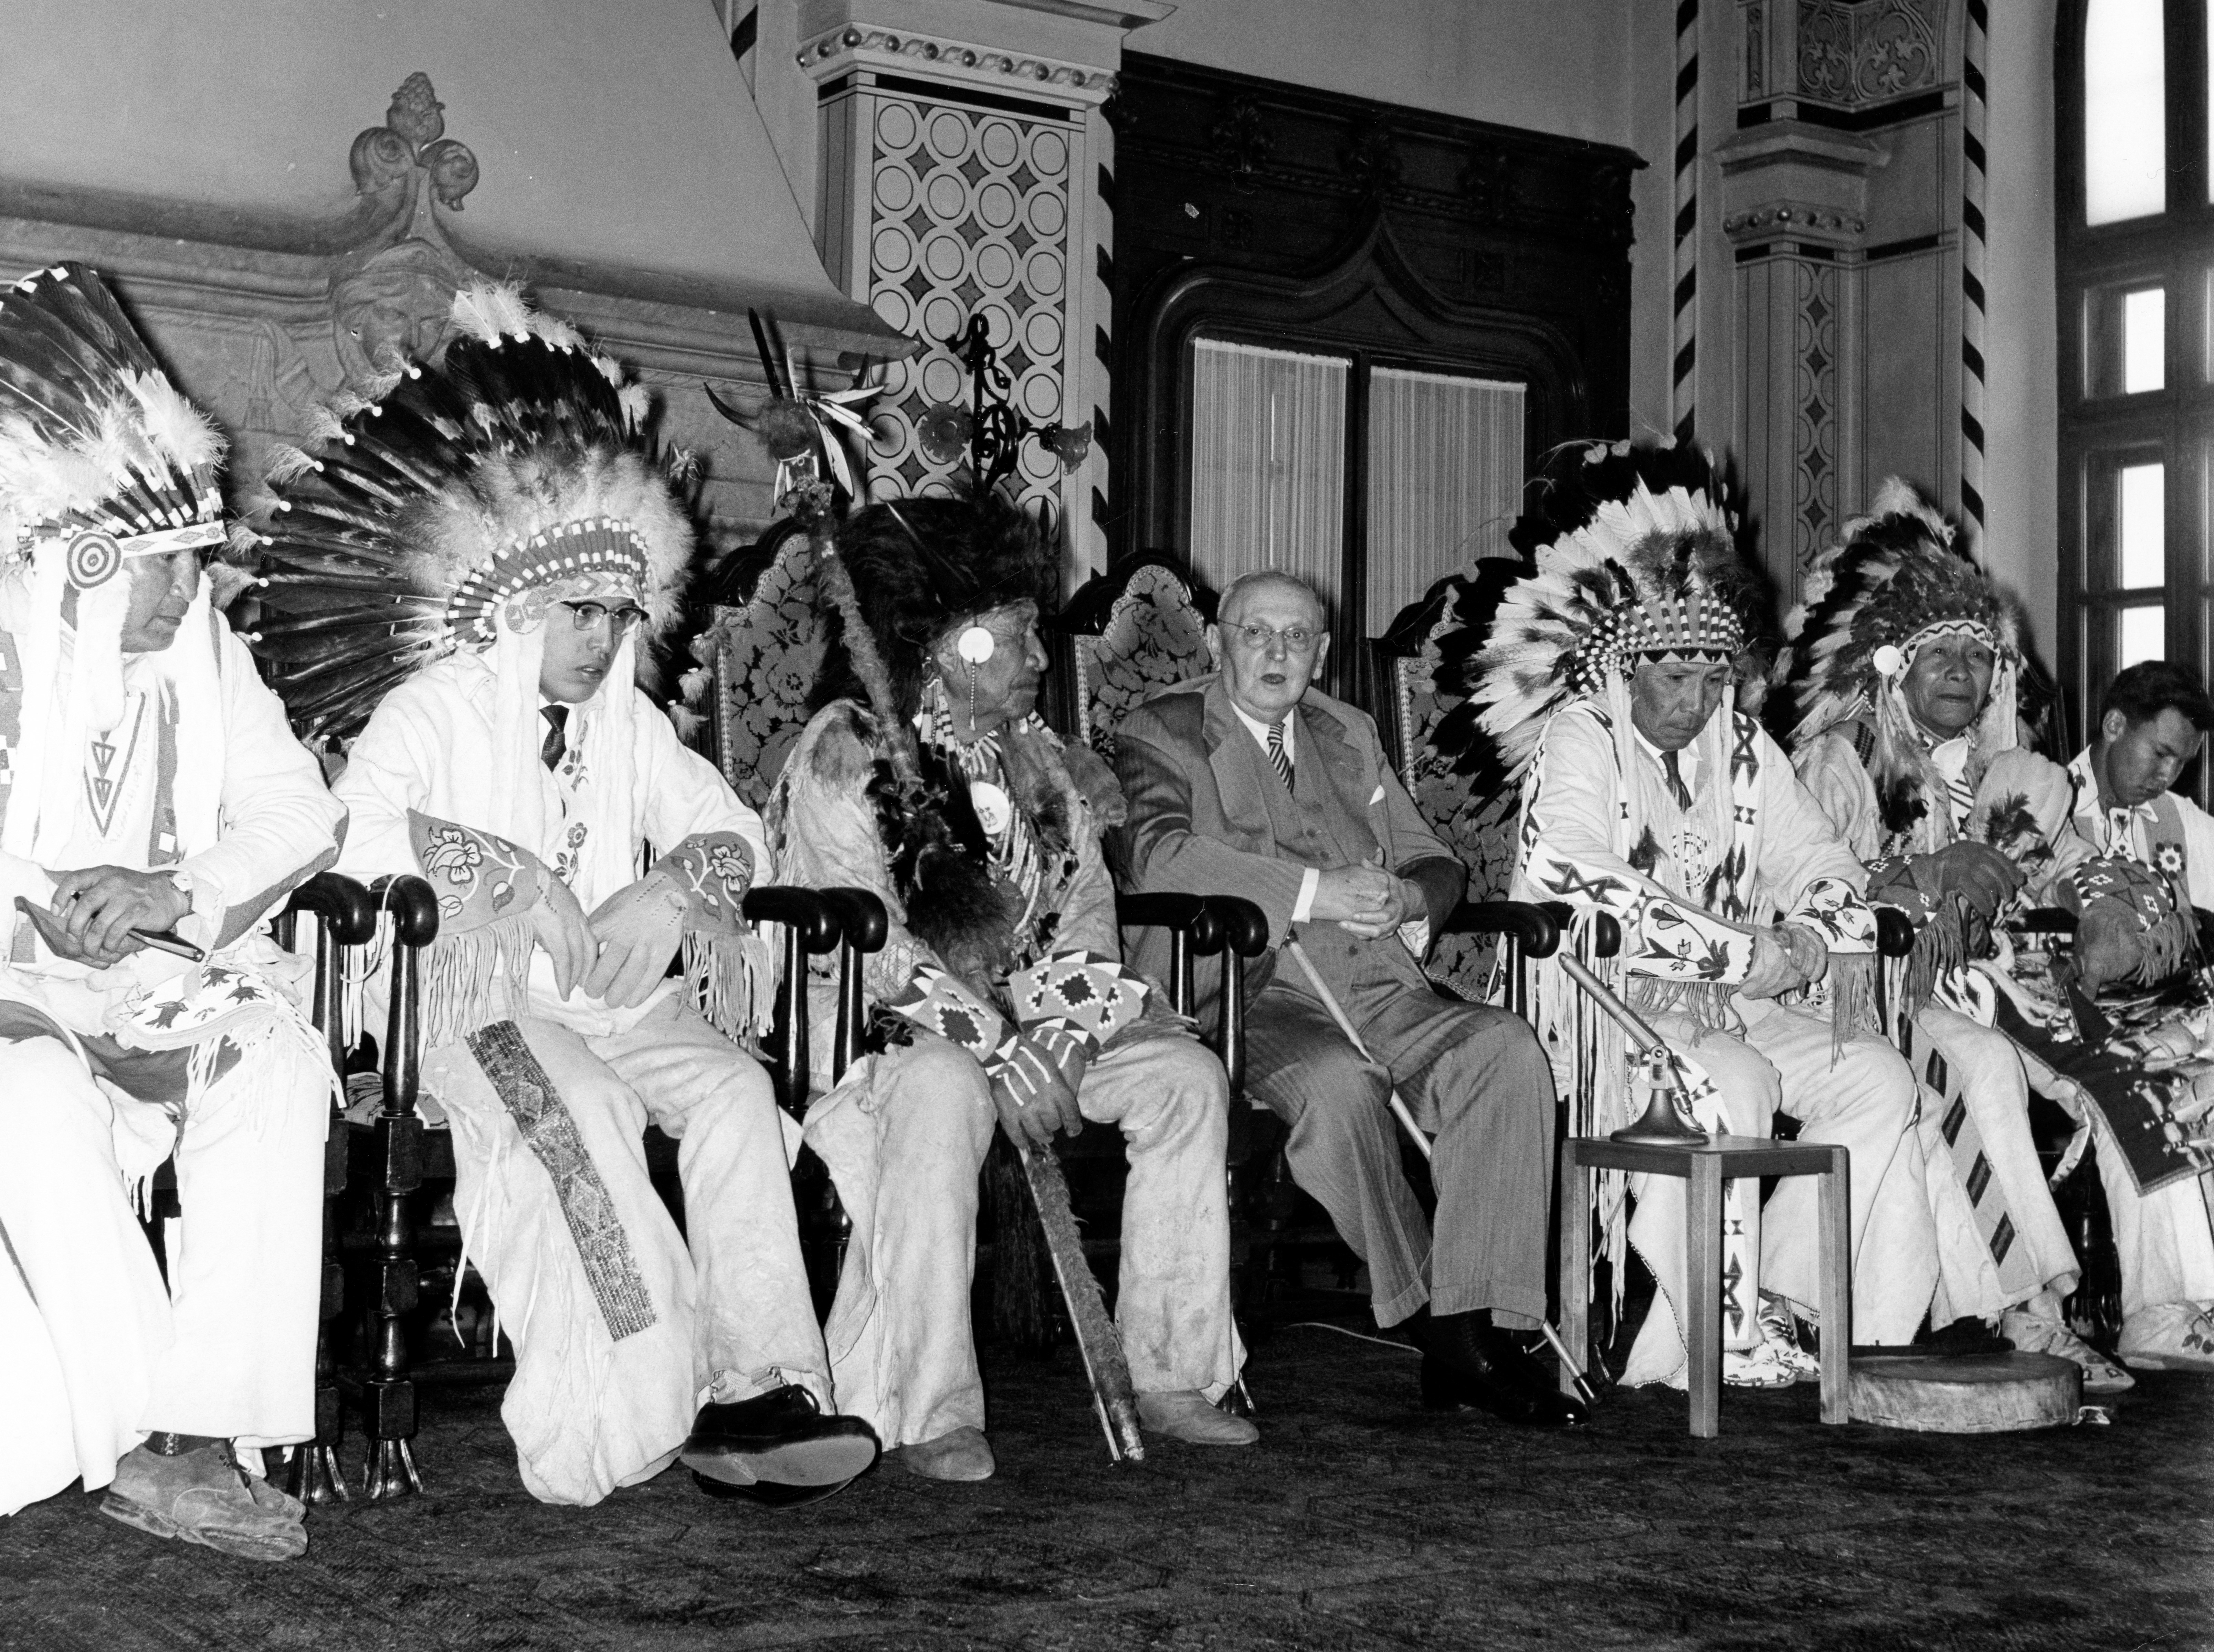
969, 214
1815, 406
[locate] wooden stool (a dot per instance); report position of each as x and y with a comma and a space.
1705, 1168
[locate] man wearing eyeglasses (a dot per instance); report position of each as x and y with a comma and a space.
1251, 781
535, 765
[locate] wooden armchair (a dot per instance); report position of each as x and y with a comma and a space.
401, 1165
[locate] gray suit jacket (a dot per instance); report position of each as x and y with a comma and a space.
1208, 816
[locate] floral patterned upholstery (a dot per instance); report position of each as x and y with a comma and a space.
1153, 635
771, 652
1479, 829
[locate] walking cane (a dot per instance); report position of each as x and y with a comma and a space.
1400, 1111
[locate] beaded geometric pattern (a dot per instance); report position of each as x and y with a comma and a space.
575, 548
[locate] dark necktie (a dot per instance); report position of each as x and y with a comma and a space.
1676, 780
557, 734
1278, 755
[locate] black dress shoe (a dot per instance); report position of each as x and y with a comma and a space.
1468, 1363
767, 1493
780, 1439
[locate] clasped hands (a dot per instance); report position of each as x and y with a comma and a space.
620, 952
1367, 900
98, 907
1785, 956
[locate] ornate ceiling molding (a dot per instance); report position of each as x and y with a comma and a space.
1010, 74
1114, 13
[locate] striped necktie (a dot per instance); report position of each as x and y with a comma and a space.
1676, 786
557, 735
1278, 755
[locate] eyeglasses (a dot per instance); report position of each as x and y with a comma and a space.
1297, 638
588, 616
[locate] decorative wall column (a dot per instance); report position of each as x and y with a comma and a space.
1842, 208
959, 178
1794, 211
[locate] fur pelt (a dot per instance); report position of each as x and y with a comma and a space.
940, 856
920, 566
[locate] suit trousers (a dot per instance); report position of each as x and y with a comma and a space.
1476, 1079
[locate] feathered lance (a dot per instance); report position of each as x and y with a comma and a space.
1114, 1396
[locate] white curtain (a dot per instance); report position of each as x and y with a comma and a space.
1445, 480
1268, 463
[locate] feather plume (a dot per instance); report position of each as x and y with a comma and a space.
92, 433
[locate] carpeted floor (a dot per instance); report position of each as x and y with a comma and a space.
1359, 1522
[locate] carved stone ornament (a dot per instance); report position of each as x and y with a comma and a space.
389, 300
411, 148
390, 295
1859, 51
828, 54
1795, 221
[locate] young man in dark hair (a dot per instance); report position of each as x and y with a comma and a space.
2152, 720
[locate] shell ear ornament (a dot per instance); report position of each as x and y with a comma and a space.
1890, 663
976, 645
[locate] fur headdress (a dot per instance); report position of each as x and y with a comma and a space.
1636, 556
1897, 580
921, 567
517, 463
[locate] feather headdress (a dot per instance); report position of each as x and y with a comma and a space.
1896, 580
1636, 555
101, 460
517, 462
97, 449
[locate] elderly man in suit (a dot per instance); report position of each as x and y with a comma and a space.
1250, 782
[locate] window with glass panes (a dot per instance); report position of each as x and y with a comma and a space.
2134, 194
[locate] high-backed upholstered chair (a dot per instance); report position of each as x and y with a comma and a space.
1477, 823
771, 650
1124, 634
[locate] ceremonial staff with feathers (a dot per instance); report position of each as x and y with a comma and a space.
941, 862
926, 778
